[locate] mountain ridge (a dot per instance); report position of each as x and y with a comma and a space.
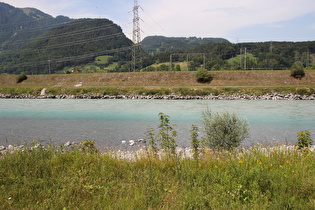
154, 44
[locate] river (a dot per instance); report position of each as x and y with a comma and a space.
109, 122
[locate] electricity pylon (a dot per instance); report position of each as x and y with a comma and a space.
136, 38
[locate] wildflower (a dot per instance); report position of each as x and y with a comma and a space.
271, 164
260, 163
240, 162
280, 166
293, 171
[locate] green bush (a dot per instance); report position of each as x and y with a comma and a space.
304, 139
167, 134
297, 70
223, 131
203, 76
20, 78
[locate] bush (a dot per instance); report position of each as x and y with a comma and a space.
21, 78
297, 70
203, 76
167, 134
304, 139
223, 131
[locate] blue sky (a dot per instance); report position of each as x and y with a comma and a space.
237, 21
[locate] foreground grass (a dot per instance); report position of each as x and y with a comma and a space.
43, 178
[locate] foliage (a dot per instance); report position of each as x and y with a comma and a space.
163, 44
71, 44
195, 142
167, 134
203, 76
88, 146
151, 140
224, 131
21, 77
304, 139
297, 70
254, 178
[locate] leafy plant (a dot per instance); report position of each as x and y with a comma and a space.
224, 131
195, 143
152, 142
304, 139
297, 70
21, 77
167, 134
88, 146
203, 76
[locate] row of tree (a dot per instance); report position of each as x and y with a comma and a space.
216, 56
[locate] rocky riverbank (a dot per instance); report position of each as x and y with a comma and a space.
273, 96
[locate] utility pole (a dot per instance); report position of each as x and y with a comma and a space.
245, 59
136, 38
49, 70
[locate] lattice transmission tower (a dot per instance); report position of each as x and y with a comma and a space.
136, 38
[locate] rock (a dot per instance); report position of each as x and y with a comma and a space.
131, 142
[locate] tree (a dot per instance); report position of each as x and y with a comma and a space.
223, 131
297, 70
203, 76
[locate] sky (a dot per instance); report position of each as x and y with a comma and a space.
235, 20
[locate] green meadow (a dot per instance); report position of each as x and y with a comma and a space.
50, 177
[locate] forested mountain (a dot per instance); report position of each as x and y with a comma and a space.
18, 26
74, 43
164, 44
35, 43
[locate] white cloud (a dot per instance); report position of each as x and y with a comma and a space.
202, 18
53, 8
218, 17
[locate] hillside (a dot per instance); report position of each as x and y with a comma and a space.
74, 43
19, 25
164, 44
36, 43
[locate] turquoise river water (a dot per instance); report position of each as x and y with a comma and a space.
109, 122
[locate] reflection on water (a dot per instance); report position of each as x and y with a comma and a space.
108, 122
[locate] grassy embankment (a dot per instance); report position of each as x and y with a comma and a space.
160, 83
44, 178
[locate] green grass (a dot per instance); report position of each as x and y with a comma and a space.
141, 90
257, 178
102, 59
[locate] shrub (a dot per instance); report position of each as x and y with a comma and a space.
20, 78
167, 134
297, 70
194, 141
203, 76
304, 139
88, 146
223, 131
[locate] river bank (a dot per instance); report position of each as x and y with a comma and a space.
271, 96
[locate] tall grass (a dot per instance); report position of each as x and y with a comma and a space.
257, 178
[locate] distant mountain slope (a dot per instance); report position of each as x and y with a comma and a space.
164, 44
18, 26
74, 43
34, 42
